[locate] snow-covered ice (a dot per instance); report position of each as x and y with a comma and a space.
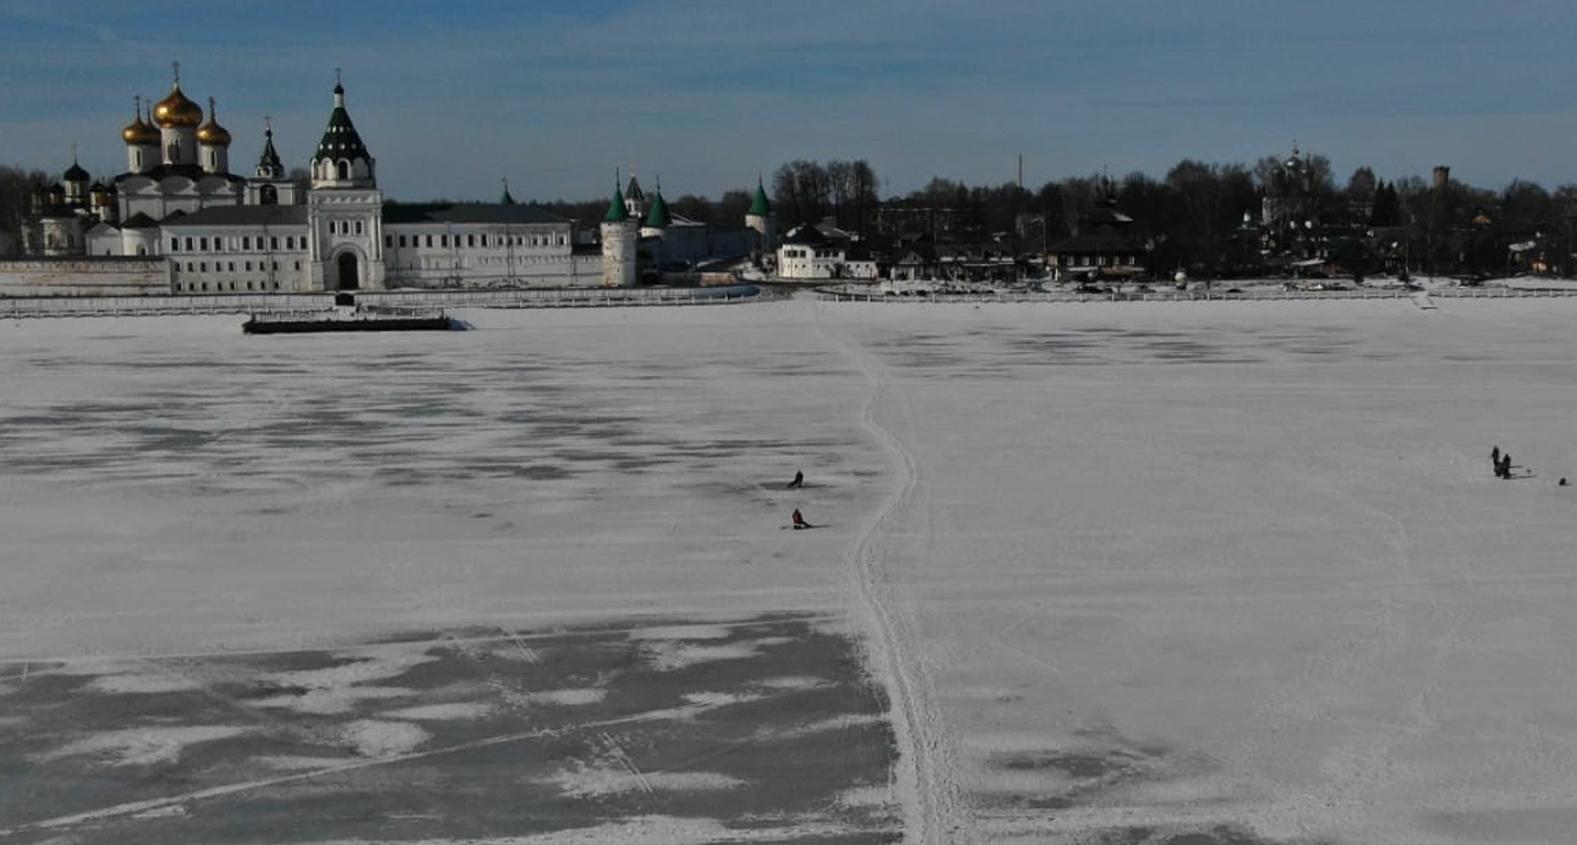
143, 746
1181, 567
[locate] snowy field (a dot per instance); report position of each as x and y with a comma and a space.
1151, 574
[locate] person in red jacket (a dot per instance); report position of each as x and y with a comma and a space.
799, 521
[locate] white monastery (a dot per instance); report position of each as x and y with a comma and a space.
222, 232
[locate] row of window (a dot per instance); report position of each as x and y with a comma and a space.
806, 253
196, 287
226, 266
343, 227
244, 243
444, 262
1099, 260
473, 240
248, 243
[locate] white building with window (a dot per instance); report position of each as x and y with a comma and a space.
224, 233
807, 253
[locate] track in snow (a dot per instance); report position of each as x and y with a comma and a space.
925, 781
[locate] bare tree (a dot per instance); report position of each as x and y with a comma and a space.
16, 194
1362, 185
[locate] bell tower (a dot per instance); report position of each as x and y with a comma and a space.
344, 207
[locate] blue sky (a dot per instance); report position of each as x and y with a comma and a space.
452, 96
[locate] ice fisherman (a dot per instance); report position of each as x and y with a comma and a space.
799, 521
799, 480
1494, 458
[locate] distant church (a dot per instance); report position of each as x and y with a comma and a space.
222, 232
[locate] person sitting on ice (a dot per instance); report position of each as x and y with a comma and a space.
798, 482
1563, 483
799, 521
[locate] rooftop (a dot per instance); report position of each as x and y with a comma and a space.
241, 215
467, 213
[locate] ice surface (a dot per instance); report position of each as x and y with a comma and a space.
1189, 567
598, 781
441, 712
383, 738
142, 746
568, 697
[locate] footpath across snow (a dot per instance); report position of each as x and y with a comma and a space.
1243, 570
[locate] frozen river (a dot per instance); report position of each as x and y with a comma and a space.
1137, 573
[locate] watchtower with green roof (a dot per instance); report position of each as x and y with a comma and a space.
762, 219
658, 218
620, 242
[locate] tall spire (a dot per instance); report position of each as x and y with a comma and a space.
633, 190
616, 210
268, 164
506, 199
657, 216
759, 206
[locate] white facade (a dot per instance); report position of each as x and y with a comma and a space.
180, 144
220, 232
207, 254
215, 158
765, 227
160, 197
864, 268
798, 261
63, 236
346, 238
620, 243
443, 253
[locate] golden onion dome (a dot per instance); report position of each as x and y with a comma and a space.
176, 111
211, 133
139, 133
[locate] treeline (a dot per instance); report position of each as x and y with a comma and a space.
801, 191
1194, 215
16, 194
810, 191
727, 212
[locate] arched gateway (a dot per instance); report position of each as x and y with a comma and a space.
349, 277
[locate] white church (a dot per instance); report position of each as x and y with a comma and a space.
214, 231
221, 232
